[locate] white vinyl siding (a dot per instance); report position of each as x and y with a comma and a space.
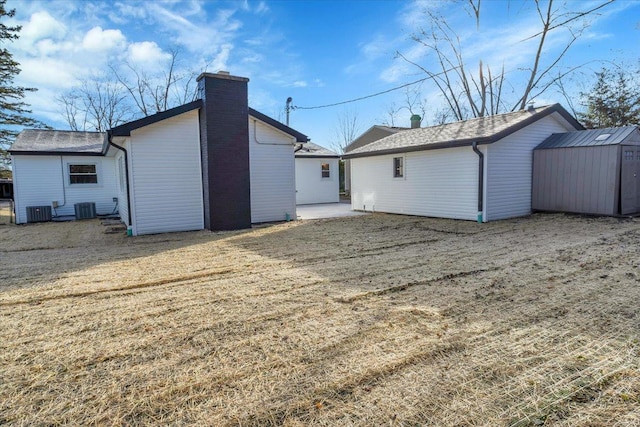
437, 183
509, 168
273, 192
311, 187
41, 180
166, 176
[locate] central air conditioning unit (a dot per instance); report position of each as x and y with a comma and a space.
38, 213
85, 210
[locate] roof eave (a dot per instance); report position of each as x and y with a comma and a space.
54, 153
556, 108
300, 137
424, 147
126, 128
317, 156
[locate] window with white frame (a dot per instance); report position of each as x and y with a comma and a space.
326, 170
398, 167
83, 174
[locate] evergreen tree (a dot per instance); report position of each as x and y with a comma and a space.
13, 110
614, 100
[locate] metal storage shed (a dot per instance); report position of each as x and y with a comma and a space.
594, 171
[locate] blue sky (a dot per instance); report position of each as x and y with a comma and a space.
317, 52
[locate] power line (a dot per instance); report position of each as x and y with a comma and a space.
430, 76
362, 97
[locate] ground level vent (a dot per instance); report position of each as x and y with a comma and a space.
85, 210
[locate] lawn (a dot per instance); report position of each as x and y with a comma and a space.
362, 321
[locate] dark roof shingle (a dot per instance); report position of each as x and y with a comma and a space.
43, 141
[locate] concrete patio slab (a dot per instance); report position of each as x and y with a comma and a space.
327, 210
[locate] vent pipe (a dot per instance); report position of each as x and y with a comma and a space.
415, 121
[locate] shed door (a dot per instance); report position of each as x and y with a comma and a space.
630, 180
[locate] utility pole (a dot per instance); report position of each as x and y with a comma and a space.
287, 108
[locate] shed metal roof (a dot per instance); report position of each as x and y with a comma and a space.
482, 130
314, 150
588, 138
44, 141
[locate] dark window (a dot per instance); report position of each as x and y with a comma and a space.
83, 174
398, 170
638, 155
628, 155
326, 172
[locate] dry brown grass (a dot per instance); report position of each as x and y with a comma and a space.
375, 320
5, 213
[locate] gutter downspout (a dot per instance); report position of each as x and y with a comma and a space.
126, 173
480, 179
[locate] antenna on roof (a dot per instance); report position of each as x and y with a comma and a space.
287, 108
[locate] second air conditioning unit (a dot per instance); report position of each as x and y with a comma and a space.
85, 210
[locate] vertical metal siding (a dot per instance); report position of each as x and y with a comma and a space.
510, 170
577, 179
437, 183
311, 187
272, 166
166, 176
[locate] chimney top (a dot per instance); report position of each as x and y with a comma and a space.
415, 121
530, 107
223, 75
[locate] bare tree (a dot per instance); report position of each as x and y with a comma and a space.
414, 103
476, 91
124, 93
95, 105
346, 130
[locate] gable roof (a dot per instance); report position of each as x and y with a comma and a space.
59, 142
126, 128
79, 143
300, 137
374, 133
589, 138
311, 150
482, 130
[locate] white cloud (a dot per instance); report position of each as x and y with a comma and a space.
59, 74
146, 53
253, 58
299, 83
42, 25
99, 40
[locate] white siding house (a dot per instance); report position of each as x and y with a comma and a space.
436, 171
272, 173
213, 163
165, 176
44, 165
317, 175
430, 185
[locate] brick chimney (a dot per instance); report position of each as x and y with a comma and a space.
224, 147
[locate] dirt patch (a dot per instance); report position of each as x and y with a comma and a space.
5, 213
373, 320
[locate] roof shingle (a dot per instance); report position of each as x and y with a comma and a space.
43, 141
314, 150
482, 130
